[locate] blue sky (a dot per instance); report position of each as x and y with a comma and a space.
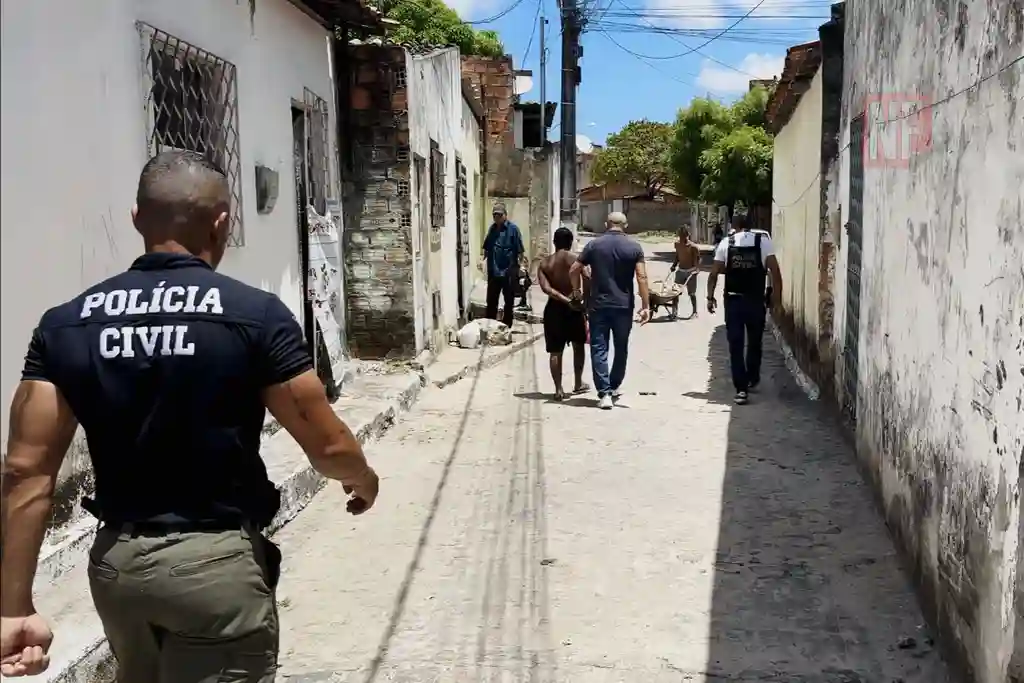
619, 86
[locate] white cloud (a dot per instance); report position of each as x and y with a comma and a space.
470, 10
718, 78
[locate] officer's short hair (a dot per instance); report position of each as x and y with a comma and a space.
563, 238
178, 186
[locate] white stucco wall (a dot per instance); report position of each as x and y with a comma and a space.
797, 211
941, 357
435, 96
74, 141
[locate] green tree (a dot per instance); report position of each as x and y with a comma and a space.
637, 154
428, 23
697, 127
723, 154
738, 168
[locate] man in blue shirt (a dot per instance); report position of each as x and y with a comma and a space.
169, 368
503, 254
614, 260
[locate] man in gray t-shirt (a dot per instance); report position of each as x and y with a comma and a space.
614, 260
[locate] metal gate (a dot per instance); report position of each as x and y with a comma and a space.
855, 237
462, 244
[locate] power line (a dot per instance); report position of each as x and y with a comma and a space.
536, 22
497, 16
645, 60
915, 112
673, 37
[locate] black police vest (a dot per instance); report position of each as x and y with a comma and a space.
163, 366
745, 273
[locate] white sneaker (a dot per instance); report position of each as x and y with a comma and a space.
606, 402
616, 397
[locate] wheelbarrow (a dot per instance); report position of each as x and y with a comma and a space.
665, 296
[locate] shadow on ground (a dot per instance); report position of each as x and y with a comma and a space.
807, 586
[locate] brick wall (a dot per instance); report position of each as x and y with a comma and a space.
492, 80
378, 226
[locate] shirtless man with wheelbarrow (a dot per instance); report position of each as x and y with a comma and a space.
685, 267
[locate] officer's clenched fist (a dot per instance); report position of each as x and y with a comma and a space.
24, 645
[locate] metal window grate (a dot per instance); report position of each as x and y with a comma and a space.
191, 102
317, 149
436, 186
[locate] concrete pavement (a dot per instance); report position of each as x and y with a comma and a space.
679, 539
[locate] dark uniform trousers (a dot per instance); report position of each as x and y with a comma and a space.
211, 592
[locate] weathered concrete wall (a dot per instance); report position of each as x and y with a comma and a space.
472, 141
796, 221
435, 100
941, 361
378, 248
525, 174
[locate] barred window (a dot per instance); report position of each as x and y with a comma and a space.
192, 104
436, 186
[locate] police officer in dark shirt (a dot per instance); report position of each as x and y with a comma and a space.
168, 367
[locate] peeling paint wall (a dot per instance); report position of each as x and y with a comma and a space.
941, 355
435, 100
796, 215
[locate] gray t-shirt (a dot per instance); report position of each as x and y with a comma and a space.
612, 258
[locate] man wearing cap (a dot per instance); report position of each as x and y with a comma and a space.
503, 256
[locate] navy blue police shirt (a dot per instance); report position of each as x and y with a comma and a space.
163, 365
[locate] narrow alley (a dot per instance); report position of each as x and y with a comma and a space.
678, 539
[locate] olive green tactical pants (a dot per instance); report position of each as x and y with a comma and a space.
187, 607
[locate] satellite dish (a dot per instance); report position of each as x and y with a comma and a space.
584, 144
523, 83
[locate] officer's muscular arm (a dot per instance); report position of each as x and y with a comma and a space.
301, 406
294, 395
41, 428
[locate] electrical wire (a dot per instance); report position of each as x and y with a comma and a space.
676, 39
497, 16
536, 23
645, 60
915, 112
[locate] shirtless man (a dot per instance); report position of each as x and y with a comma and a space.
564, 320
686, 266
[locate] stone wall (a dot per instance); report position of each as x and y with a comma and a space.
378, 236
525, 173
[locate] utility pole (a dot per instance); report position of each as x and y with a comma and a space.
571, 52
543, 82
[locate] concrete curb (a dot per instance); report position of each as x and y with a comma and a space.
96, 665
802, 378
500, 354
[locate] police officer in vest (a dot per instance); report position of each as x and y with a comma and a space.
168, 368
746, 258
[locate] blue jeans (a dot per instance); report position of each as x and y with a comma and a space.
613, 323
744, 322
